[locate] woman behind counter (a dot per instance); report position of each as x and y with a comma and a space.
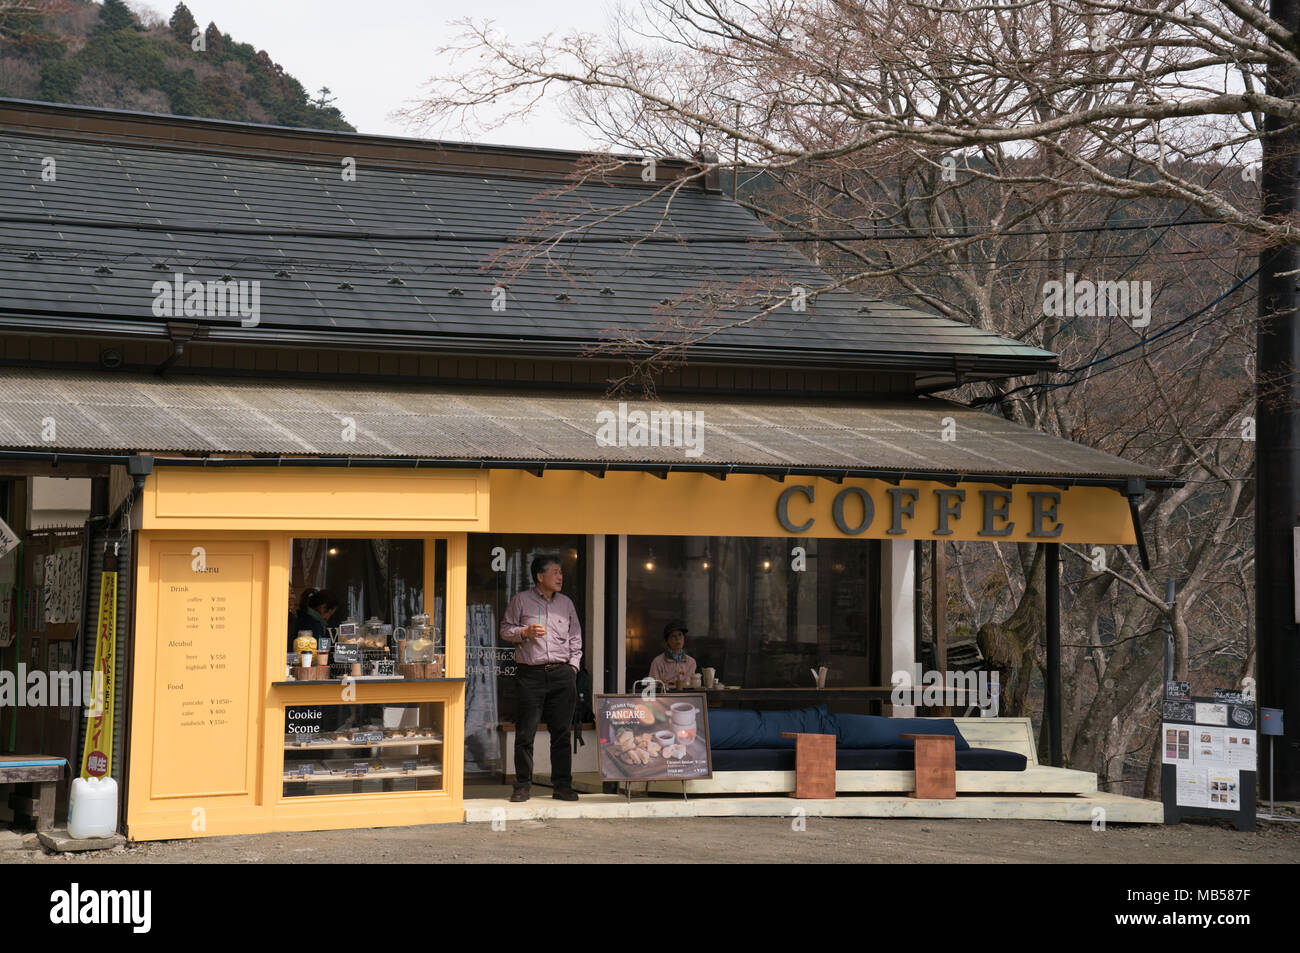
674, 667
315, 609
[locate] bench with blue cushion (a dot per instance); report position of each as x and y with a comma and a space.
993, 755
752, 741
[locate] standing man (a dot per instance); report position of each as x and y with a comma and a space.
543, 624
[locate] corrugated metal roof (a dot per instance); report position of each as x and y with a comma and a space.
138, 413
90, 246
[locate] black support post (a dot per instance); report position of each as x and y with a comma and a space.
1052, 596
612, 597
1277, 448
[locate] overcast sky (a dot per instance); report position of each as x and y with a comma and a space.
375, 55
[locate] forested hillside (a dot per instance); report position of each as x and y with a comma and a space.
104, 54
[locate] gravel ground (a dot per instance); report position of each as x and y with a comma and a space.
731, 840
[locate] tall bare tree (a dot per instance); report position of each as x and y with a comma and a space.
962, 155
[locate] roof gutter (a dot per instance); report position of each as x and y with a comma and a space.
1121, 484
140, 466
997, 366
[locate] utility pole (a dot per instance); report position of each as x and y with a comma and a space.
1277, 448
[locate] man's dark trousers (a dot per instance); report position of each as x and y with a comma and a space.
550, 697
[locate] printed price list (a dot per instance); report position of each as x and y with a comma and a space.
204, 626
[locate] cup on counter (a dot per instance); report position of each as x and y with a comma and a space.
305, 658
696, 680
356, 669
710, 676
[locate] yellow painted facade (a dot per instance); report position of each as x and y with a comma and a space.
206, 745
694, 504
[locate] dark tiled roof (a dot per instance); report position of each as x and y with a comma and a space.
84, 251
141, 413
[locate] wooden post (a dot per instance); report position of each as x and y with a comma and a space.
939, 612
1052, 596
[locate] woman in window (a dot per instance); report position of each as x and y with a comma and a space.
674, 667
315, 609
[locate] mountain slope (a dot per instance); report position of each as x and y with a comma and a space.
92, 54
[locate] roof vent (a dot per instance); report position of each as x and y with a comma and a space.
226, 278
561, 297
32, 256
344, 286
396, 281
283, 274
159, 266
103, 270
456, 293
665, 300
607, 290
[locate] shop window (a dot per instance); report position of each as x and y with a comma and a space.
372, 580
758, 613
363, 749
498, 568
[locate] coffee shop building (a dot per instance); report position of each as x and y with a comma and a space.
372, 425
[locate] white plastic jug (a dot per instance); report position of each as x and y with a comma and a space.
92, 807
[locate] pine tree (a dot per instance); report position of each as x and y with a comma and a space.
115, 15
215, 41
183, 23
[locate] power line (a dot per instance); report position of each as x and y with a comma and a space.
1161, 237
1075, 371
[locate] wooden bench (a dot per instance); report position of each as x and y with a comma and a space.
38, 777
1006, 734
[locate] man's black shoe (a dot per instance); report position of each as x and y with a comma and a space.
520, 793
564, 794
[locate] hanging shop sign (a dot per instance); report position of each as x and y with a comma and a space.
854, 510
696, 504
8, 539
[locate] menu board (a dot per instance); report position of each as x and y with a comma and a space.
1208, 752
664, 738
205, 622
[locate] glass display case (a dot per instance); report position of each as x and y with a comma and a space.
363, 749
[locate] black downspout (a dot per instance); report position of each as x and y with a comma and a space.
1134, 490
1052, 596
612, 634
612, 597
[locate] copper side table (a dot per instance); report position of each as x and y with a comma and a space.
936, 766
814, 765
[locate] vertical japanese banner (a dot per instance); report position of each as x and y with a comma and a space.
97, 752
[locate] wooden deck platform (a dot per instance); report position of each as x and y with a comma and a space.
1006, 734
1080, 808
1039, 792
